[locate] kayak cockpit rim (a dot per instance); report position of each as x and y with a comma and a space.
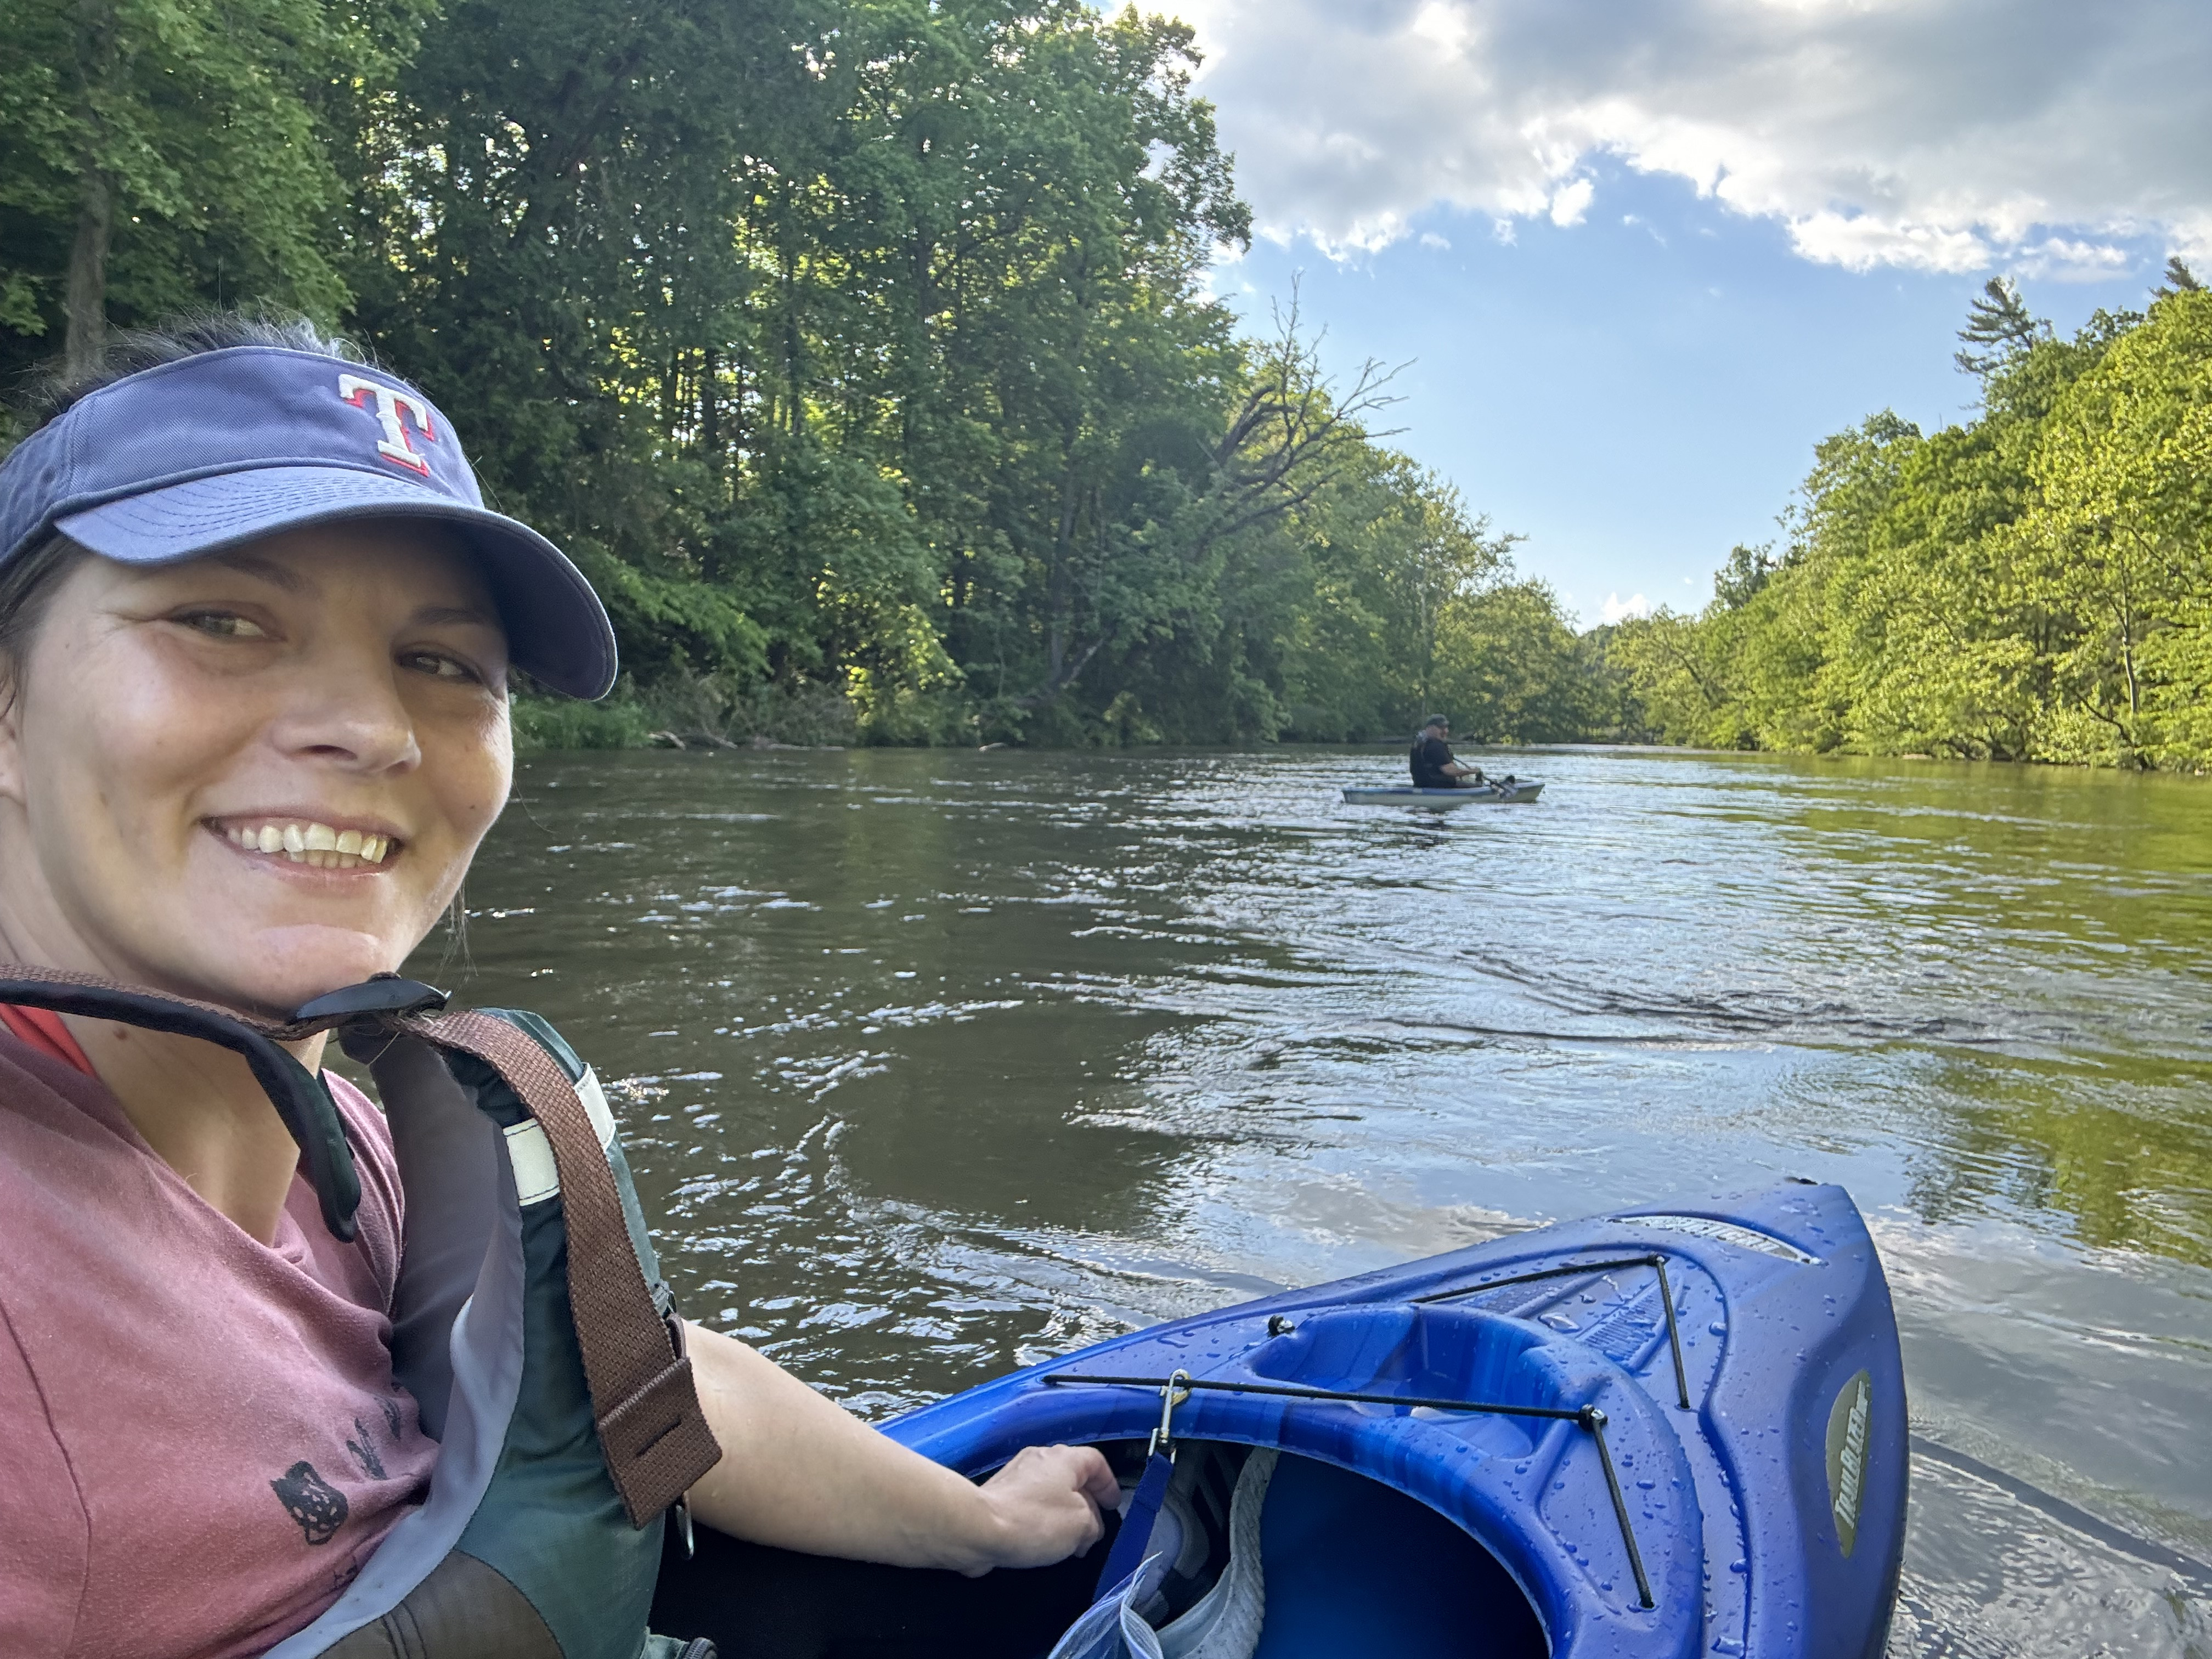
1588, 1418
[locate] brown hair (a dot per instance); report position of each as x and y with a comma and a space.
193, 335
27, 586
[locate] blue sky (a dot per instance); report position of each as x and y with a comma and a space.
1641, 258
1637, 393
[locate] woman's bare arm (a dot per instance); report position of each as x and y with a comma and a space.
801, 1472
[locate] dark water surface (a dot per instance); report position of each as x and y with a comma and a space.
935, 1063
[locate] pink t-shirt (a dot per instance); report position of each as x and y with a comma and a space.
201, 1440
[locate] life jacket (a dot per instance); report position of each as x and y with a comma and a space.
1425, 774
529, 1322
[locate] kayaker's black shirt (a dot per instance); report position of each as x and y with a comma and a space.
1430, 756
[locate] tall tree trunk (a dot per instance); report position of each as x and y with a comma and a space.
794, 346
87, 294
85, 297
710, 407
741, 376
1059, 580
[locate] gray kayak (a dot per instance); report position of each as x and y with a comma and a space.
1507, 793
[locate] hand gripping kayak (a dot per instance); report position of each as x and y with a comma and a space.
645, 1404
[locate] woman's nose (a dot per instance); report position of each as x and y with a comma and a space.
355, 717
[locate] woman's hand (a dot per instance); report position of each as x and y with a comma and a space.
1046, 1506
799, 1472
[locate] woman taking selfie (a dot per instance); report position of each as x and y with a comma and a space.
282, 1371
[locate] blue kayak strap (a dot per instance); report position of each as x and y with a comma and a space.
1128, 1551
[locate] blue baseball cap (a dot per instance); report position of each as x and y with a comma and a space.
195, 456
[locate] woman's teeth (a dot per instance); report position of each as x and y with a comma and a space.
316, 844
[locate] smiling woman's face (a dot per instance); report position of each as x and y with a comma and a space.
256, 776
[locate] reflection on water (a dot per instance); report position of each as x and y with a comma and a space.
935, 1064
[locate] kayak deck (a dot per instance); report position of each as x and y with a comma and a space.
1651, 1433
1515, 794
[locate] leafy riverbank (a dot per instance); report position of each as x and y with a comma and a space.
691, 711
862, 353
2035, 584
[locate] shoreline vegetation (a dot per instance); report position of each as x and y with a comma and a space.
2033, 585
864, 355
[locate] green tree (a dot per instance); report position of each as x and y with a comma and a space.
2034, 584
2121, 543
1684, 691
861, 351
2179, 279
1999, 322
1746, 571
157, 155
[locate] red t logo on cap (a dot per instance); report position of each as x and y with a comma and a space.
389, 402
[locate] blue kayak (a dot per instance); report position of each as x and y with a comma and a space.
1673, 1432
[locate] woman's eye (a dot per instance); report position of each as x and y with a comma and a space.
224, 624
439, 666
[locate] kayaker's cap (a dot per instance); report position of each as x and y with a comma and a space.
194, 456
1435, 720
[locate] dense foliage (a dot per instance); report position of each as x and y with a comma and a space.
2034, 585
861, 351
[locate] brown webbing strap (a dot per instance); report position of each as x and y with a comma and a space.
652, 1428
653, 1431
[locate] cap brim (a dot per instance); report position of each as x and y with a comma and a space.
557, 630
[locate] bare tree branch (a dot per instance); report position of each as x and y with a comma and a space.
1292, 435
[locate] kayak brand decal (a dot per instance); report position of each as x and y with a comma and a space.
1722, 1232
1848, 1424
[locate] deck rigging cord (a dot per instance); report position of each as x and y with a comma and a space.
1587, 1417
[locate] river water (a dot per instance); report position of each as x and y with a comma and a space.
935, 1063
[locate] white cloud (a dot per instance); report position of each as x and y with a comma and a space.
1860, 241
1616, 609
1939, 135
2068, 261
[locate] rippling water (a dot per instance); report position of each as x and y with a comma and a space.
935, 1063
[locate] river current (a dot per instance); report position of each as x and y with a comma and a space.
935, 1063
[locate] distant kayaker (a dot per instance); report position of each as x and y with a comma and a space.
279, 1370
1434, 767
